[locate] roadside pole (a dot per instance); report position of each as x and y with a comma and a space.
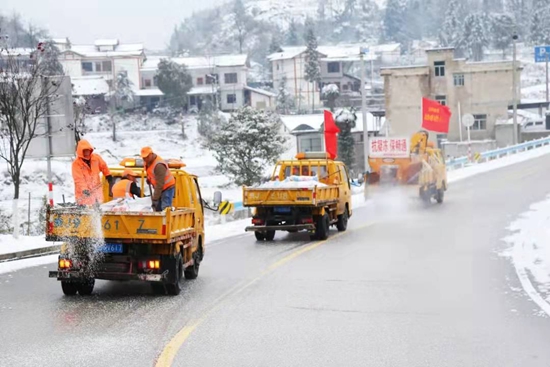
362, 52
514, 91
547, 92
459, 121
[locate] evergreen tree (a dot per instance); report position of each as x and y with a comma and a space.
395, 21
123, 89
492, 6
367, 29
502, 30
275, 45
313, 67
175, 82
49, 56
346, 121
292, 38
540, 23
451, 31
521, 12
475, 35
285, 100
246, 143
331, 93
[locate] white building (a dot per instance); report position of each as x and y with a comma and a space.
105, 58
224, 75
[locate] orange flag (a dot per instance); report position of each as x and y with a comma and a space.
331, 141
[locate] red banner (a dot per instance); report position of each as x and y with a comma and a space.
435, 116
331, 141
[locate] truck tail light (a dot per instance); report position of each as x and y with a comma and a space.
149, 264
65, 264
307, 220
257, 221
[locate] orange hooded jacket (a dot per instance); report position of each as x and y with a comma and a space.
87, 182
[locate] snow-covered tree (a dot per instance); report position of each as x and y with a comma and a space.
49, 57
345, 120
313, 67
331, 93
540, 22
451, 31
395, 21
491, 6
292, 38
475, 35
175, 82
285, 99
368, 24
275, 45
246, 143
242, 23
123, 92
502, 30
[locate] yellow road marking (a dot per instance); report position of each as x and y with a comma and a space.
169, 352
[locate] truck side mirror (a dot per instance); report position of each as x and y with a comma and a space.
217, 198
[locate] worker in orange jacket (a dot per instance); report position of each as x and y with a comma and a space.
86, 169
159, 175
127, 186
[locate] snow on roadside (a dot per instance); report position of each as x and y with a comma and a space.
12, 266
529, 252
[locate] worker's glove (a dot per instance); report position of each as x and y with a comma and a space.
86, 192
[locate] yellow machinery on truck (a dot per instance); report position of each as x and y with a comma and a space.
157, 247
293, 208
424, 166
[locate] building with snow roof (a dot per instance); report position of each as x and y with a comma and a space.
483, 89
224, 76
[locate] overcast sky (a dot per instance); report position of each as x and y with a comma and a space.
131, 21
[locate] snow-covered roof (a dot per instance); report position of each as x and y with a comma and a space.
198, 62
312, 123
106, 42
260, 91
119, 50
287, 53
89, 85
18, 51
341, 52
153, 92
389, 47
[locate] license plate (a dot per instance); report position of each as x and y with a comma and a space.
282, 210
111, 248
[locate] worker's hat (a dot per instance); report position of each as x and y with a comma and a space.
129, 172
146, 151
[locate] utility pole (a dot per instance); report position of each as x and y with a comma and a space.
362, 52
547, 92
514, 87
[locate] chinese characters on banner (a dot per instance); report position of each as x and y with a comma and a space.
435, 116
389, 147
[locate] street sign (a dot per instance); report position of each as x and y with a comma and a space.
542, 53
468, 120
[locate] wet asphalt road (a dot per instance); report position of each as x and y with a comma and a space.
406, 285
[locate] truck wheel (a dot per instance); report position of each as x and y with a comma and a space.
86, 287
440, 194
174, 288
260, 236
424, 195
68, 288
321, 228
269, 235
342, 224
192, 272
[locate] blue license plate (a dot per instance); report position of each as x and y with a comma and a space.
282, 209
111, 248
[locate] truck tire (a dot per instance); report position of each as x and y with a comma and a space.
68, 288
321, 228
269, 235
260, 236
424, 195
173, 288
342, 224
440, 194
86, 287
192, 272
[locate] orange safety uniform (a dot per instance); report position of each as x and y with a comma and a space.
86, 175
169, 179
121, 188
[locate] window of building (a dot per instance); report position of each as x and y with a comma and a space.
88, 66
230, 78
439, 68
106, 66
458, 80
211, 78
200, 81
310, 144
345, 87
480, 122
441, 99
231, 98
333, 67
147, 82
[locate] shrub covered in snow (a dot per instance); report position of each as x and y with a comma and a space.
246, 143
346, 120
331, 93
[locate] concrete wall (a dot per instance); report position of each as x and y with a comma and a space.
460, 149
504, 135
261, 101
294, 70
528, 136
132, 67
231, 106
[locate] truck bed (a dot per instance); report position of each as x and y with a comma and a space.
127, 227
311, 196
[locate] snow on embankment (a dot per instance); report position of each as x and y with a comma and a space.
529, 252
